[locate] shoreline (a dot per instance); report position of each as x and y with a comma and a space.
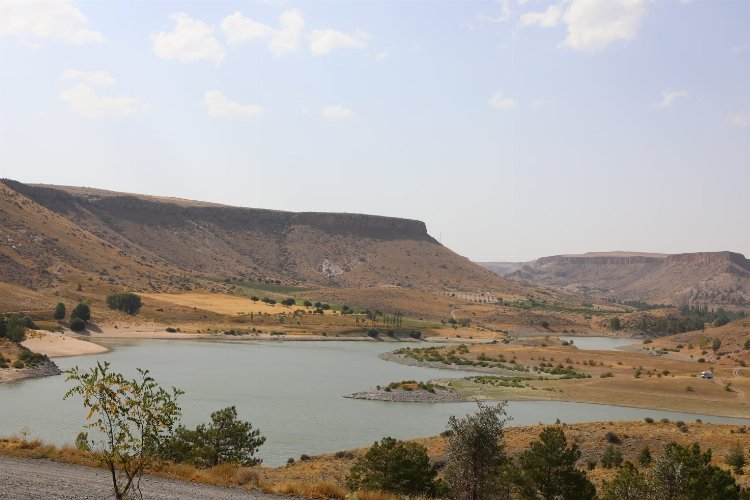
508, 393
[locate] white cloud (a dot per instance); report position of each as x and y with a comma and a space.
190, 40
500, 101
594, 24
739, 49
57, 20
739, 119
337, 112
219, 106
98, 78
286, 39
669, 97
546, 19
381, 56
322, 42
239, 28
85, 102
503, 16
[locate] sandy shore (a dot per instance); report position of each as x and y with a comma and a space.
58, 344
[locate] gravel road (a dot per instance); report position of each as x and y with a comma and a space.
22, 478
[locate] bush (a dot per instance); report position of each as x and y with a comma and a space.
372, 332
612, 457
225, 440
611, 437
171, 330
289, 301
18, 364
648, 420
60, 311
547, 469
736, 459
81, 311
126, 302
615, 324
77, 325
545, 324
645, 458
399, 467
475, 452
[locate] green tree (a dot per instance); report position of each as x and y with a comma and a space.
615, 324
3, 326
77, 325
126, 302
736, 459
289, 301
686, 473
15, 327
60, 311
612, 457
129, 416
475, 452
645, 458
254, 298
547, 469
307, 303
716, 344
629, 484
81, 311
399, 467
225, 440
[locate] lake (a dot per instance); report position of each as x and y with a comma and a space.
291, 391
599, 343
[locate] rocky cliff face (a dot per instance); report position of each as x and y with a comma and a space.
151, 243
704, 278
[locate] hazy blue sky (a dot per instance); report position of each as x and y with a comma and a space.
514, 129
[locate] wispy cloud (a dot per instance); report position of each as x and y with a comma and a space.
740, 119
669, 97
546, 19
337, 112
59, 20
98, 78
498, 100
323, 41
239, 28
220, 106
594, 24
190, 40
740, 49
84, 101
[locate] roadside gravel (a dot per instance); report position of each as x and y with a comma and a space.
23, 479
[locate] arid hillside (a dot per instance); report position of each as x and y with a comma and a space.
50, 236
706, 278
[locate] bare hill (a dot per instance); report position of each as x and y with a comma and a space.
51, 235
703, 278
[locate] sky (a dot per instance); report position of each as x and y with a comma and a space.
514, 129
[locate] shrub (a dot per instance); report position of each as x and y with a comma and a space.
648, 420
545, 324
305, 457
615, 324
395, 466
474, 452
289, 301
18, 364
612, 457
645, 458
126, 302
736, 459
372, 332
60, 311
226, 439
77, 325
547, 469
81, 311
611, 437
171, 330
606, 375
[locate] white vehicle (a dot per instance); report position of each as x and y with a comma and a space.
707, 374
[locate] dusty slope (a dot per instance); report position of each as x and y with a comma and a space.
143, 239
704, 278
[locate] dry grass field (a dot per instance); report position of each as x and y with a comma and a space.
324, 476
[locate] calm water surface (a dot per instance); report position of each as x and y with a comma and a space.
600, 343
291, 391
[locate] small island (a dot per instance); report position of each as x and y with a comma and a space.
409, 391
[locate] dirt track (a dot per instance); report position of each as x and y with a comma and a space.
43, 479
